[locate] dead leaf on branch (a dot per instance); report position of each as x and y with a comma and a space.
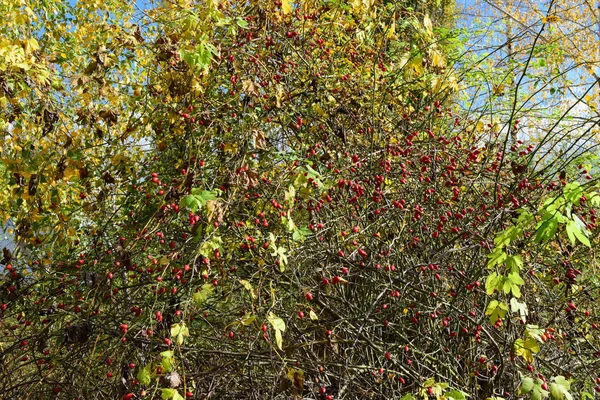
214, 211
171, 380
258, 139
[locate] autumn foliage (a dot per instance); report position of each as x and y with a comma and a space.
277, 199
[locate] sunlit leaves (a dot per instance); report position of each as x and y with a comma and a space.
199, 198
496, 310
279, 252
279, 326
203, 294
179, 331
559, 389
167, 360
170, 394
144, 375
287, 6
526, 348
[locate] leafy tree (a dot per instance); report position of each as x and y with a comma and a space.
224, 199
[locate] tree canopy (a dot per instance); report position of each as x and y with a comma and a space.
316, 199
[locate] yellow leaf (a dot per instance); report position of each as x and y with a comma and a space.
286, 6
279, 95
230, 147
428, 25
391, 33
69, 173
551, 18
436, 59
279, 339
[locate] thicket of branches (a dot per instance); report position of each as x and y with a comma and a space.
316, 199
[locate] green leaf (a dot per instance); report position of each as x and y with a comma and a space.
496, 310
497, 257
248, 319
203, 196
190, 202
526, 385
581, 231
546, 229
518, 307
172, 394
248, 286
167, 360
516, 291
507, 286
562, 381
276, 322
278, 252
279, 339
300, 234
198, 198
492, 283
571, 228
144, 375
526, 348
514, 263
534, 331
179, 331
515, 278
279, 325
456, 395
241, 23
208, 248
202, 296
556, 392
560, 388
